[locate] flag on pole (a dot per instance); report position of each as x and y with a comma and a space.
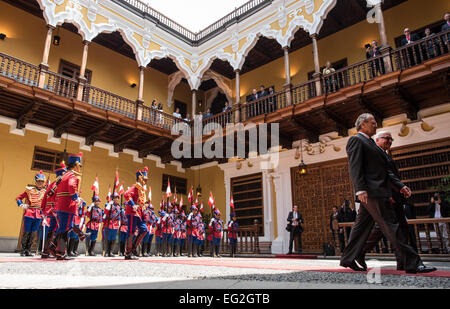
168, 192
108, 198
121, 191
232, 203
116, 181
190, 197
95, 186
201, 207
150, 193
181, 202
211, 201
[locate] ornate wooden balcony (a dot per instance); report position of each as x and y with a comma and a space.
404, 80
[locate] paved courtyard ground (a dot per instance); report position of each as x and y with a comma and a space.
207, 273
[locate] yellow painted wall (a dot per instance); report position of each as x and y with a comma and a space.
348, 43
16, 173
111, 71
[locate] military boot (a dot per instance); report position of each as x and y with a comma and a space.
91, 248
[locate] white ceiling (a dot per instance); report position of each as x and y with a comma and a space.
195, 15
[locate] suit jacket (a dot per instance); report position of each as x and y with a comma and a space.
410, 211
254, 97
445, 27
300, 219
414, 37
445, 209
369, 168
263, 94
370, 54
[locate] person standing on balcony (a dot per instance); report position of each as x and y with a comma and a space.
446, 25
329, 80
440, 209
377, 65
208, 114
373, 181
407, 40
295, 222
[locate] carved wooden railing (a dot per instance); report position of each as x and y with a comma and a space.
428, 236
61, 85
159, 119
19, 70
222, 118
303, 92
420, 51
265, 105
109, 101
247, 241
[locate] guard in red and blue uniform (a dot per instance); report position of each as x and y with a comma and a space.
95, 215
136, 198
67, 194
150, 221
176, 231
200, 238
216, 233
193, 221
48, 210
159, 234
233, 234
112, 221
167, 223
123, 232
78, 221
32, 215
183, 232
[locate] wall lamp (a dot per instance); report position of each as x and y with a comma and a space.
2, 36
133, 85
56, 40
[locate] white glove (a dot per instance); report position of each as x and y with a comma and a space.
24, 206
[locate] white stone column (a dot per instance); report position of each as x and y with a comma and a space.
316, 74
267, 198
141, 84
194, 103
287, 66
283, 194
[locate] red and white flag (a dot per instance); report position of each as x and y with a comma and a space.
232, 203
211, 201
116, 181
181, 202
95, 187
121, 191
108, 198
168, 192
149, 193
190, 197
201, 206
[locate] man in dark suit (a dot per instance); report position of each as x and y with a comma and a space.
377, 65
438, 209
254, 96
373, 179
262, 92
446, 26
295, 222
384, 140
413, 55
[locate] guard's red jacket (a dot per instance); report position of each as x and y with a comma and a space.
112, 216
65, 190
193, 222
137, 194
95, 215
48, 202
34, 198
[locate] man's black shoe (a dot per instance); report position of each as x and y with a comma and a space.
361, 260
354, 267
421, 269
131, 257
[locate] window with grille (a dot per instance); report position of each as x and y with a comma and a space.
177, 183
247, 194
46, 160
